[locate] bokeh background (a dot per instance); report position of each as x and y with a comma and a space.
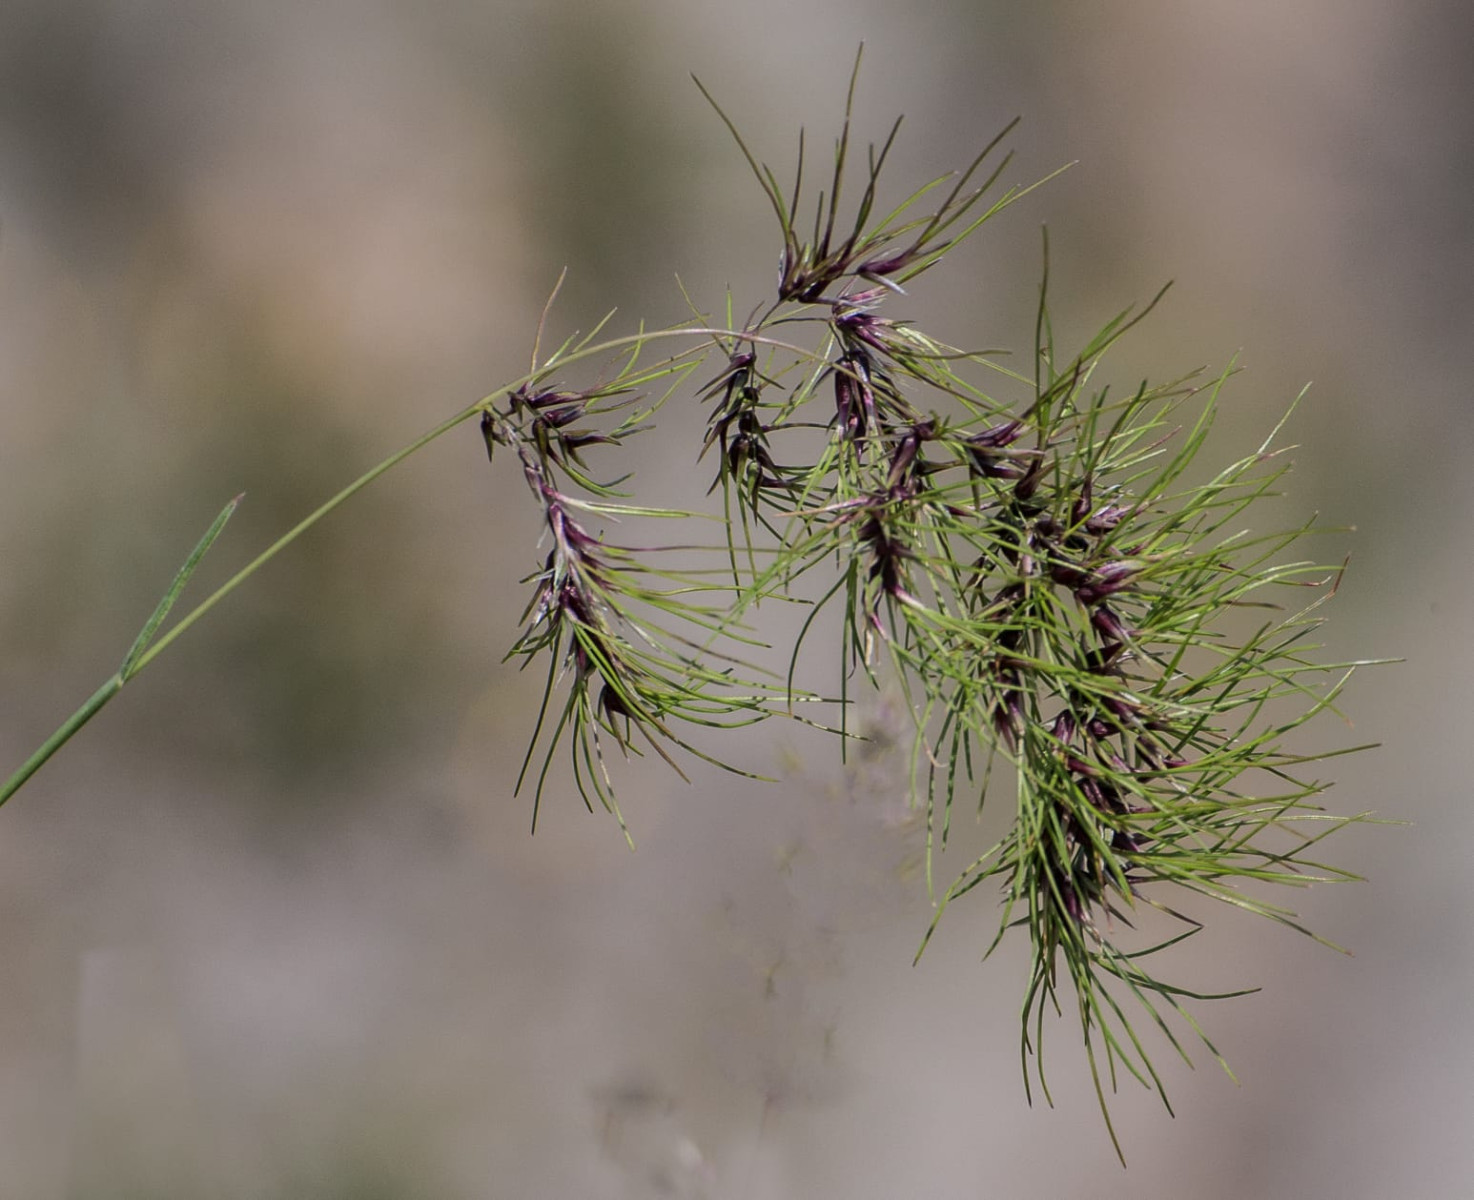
274, 926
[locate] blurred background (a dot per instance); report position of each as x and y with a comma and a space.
274, 926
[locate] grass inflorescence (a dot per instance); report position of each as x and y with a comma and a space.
1047, 579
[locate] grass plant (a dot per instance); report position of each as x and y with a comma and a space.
1026, 554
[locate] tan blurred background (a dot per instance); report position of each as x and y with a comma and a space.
274, 927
